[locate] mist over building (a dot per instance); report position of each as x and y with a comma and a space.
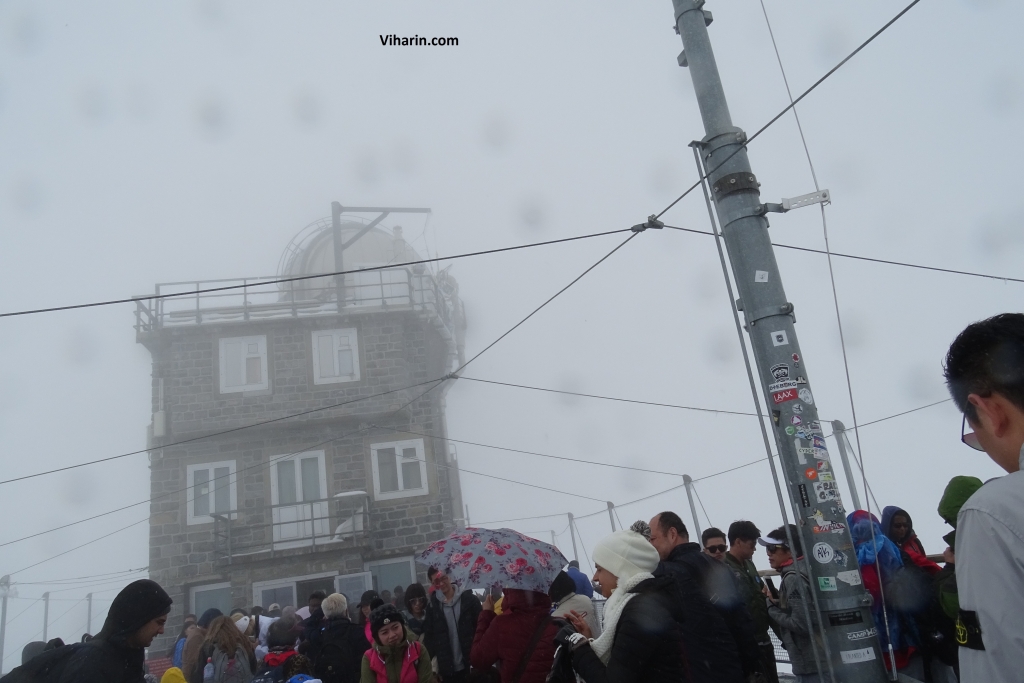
252, 506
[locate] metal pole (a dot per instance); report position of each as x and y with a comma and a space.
467, 515
572, 534
88, 623
834, 575
688, 483
46, 614
5, 587
553, 539
839, 429
611, 514
339, 261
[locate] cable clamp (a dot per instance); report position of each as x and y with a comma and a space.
451, 375
652, 222
769, 312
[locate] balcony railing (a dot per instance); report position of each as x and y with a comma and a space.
186, 303
268, 531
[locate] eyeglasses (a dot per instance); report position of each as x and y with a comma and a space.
716, 548
969, 438
772, 549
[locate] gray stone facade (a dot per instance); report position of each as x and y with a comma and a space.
398, 348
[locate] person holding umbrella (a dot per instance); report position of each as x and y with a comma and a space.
640, 641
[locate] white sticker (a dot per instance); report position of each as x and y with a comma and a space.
851, 577
857, 656
826, 490
781, 386
823, 553
780, 338
804, 394
861, 635
802, 453
825, 476
760, 276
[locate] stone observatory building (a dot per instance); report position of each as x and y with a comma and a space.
298, 440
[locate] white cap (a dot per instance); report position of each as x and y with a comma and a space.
768, 540
626, 554
242, 624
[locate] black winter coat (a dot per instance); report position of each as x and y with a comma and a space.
336, 649
100, 661
708, 643
646, 648
435, 631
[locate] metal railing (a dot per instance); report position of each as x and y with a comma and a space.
269, 530
185, 303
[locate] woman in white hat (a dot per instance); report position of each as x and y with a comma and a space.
640, 641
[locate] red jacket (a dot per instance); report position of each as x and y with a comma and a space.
504, 638
913, 548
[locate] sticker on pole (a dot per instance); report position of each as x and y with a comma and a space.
823, 553
851, 577
784, 396
803, 453
803, 496
780, 338
858, 656
862, 634
826, 490
760, 276
827, 583
805, 396
781, 385
779, 372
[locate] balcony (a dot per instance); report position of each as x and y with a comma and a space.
183, 304
290, 529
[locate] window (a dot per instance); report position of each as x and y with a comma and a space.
298, 489
287, 591
211, 595
390, 573
335, 356
399, 469
212, 489
243, 364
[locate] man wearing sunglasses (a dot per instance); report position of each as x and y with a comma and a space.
713, 540
787, 612
984, 371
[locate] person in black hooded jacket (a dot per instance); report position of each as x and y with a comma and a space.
117, 653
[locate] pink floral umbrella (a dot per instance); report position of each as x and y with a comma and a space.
481, 558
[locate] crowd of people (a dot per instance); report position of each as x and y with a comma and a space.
674, 610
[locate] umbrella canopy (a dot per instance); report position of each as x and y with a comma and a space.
481, 558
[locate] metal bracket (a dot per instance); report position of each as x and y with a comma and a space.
681, 59
734, 182
769, 312
652, 222
822, 197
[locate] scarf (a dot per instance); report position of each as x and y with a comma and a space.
278, 658
602, 645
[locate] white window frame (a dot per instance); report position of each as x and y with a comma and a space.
401, 492
292, 581
190, 470
368, 567
204, 587
353, 336
261, 341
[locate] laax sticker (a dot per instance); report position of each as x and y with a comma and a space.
811, 473
827, 583
823, 552
791, 430
861, 635
781, 386
826, 490
784, 396
795, 419
780, 338
803, 496
760, 276
851, 577
805, 396
858, 656
797, 408
779, 372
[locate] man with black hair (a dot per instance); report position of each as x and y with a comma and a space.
743, 537
787, 613
708, 602
117, 653
984, 371
713, 540
450, 626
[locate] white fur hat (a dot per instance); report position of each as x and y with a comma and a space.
334, 605
626, 554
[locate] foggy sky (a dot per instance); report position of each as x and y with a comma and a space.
154, 143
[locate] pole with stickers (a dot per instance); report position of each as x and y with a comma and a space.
851, 652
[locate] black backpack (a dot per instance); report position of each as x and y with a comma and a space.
46, 667
334, 657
